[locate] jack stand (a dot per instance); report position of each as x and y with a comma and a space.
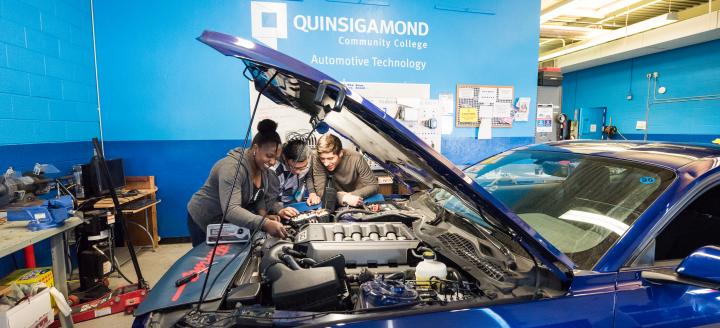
124, 299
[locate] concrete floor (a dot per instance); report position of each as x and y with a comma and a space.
153, 266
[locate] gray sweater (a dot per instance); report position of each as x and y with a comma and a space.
207, 205
352, 175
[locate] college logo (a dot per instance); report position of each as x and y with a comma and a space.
269, 22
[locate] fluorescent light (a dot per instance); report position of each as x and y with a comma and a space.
613, 7
571, 28
636, 28
558, 10
629, 11
548, 41
590, 8
583, 12
570, 31
596, 219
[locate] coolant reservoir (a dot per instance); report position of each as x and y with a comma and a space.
429, 268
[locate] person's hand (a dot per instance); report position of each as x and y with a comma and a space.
352, 200
288, 212
274, 228
272, 217
313, 199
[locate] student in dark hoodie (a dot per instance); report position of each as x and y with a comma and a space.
252, 204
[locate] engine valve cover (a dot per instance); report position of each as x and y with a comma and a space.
361, 243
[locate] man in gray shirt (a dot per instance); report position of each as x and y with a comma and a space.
353, 178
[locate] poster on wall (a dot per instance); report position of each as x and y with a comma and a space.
485, 129
522, 109
421, 117
543, 122
419, 114
409, 103
447, 122
446, 101
475, 103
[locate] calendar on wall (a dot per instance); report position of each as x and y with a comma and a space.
475, 103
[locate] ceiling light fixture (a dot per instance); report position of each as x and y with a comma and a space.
615, 6
558, 10
629, 11
636, 28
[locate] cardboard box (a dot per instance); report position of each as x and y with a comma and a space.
4, 289
29, 276
34, 312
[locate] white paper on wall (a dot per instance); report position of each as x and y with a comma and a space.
447, 123
505, 93
485, 129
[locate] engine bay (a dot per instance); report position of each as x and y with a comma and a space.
413, 254
390, 255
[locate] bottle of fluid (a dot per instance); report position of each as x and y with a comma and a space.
429, 268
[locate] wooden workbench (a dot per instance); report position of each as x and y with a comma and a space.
142, 227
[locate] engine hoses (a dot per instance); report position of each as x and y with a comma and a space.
289, 250
290, 262
308, 262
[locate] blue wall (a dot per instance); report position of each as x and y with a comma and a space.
157, 82
180, 168
47, 89
165, 95
685, 72
47, 74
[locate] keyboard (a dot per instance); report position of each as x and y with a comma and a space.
137, 204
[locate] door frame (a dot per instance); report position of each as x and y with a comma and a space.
578, 119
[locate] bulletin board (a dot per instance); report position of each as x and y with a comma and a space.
475, 103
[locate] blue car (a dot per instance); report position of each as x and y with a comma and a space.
564, 234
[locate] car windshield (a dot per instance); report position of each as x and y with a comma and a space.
581, 204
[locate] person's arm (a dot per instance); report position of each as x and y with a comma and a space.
318, 177
273, 202
309, 179
236, 214
367, 184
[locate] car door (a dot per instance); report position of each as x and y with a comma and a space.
644, 303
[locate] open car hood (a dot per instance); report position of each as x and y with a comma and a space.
386, 140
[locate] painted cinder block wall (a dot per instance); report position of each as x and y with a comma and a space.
48, 110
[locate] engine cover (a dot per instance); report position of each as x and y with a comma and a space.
360, 243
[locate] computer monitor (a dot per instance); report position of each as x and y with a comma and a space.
92, 179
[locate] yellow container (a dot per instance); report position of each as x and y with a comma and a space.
29, 276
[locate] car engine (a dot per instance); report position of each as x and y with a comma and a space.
368, 258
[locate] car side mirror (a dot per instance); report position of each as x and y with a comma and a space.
702, 264
701, 269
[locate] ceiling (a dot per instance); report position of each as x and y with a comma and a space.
566, 25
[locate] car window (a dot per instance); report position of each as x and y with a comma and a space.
695, 226
581, 204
